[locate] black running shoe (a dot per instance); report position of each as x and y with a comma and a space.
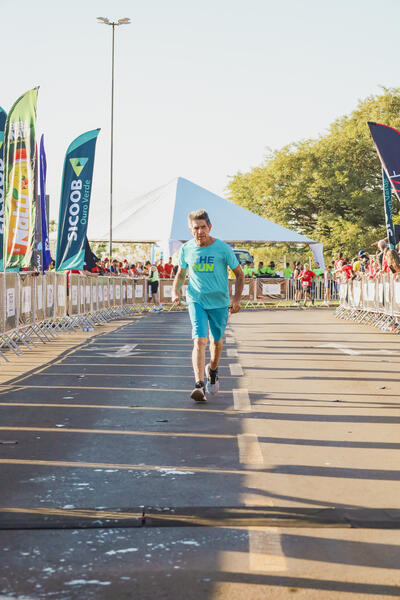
199, 392
212, 382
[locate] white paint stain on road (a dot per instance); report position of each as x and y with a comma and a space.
87, 582
122, 551
174, 472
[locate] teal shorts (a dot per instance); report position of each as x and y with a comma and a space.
204, 318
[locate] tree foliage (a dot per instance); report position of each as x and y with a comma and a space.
329, 188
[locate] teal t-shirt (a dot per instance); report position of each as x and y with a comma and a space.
208, 272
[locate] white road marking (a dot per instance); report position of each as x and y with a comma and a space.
126, 350
343, 349
241, 400
352, 352
232, 352
105, 347
229, 340
265, 550
249, 449
236, 369
119, 354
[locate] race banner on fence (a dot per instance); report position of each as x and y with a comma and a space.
387, 144
19, 181
43, 215
75, 199
3, 117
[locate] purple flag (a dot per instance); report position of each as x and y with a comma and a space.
45, 231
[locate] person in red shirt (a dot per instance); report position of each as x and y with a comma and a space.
168, 267
133, 272
160, 269
337, 265
306, 277
338, 262
124, 268
346, 269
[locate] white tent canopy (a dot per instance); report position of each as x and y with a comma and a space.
161, 217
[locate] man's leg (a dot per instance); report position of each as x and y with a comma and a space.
199, 358
215, 352
198, 317
218, 319
153, 300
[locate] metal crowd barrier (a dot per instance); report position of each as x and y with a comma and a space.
373, 301
35, 308
318, 290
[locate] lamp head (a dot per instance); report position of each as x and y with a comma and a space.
103, 20
124, 21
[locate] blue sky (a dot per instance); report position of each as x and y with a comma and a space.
202, 88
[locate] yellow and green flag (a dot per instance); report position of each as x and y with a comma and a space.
3, 117
19, 181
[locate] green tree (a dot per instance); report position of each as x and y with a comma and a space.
52, 226
328, 188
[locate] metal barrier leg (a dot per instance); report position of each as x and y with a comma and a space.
37, 332
23, 332
4, 356
47, 326
12, 344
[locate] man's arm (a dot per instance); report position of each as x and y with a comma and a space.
238, 290
178, 283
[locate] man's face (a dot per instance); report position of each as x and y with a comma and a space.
200, 231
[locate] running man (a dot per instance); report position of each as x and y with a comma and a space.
207, 259
307, 277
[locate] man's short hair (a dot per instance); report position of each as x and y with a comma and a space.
147, 262
200, 214
382, 244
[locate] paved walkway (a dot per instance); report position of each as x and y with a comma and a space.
120, 487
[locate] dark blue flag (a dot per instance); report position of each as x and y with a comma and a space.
387, 143
75, 200
45, 229
387, 193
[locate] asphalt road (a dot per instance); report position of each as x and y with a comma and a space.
286, 485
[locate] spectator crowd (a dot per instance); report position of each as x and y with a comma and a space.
303, 283
124, 269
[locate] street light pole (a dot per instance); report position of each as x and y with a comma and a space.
106, 21
112, 141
